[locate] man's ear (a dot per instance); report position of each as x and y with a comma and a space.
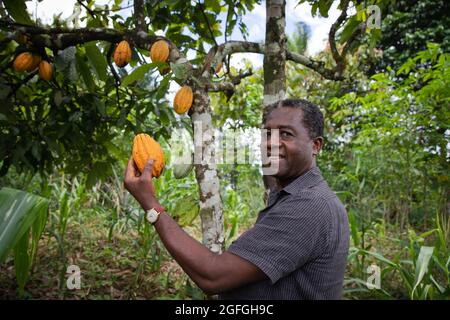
317, 145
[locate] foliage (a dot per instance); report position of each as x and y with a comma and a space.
23, 217
406, 28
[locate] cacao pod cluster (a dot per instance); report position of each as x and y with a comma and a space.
159, 52
28, 62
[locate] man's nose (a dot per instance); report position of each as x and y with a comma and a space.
272, 141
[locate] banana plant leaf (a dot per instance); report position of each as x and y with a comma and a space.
19, 210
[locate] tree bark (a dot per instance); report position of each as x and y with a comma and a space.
275, 52
274, 62
211, 212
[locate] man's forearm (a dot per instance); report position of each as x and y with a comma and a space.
195, 259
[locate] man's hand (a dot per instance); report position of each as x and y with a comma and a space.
141, 185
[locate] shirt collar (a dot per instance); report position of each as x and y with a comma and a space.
310, 178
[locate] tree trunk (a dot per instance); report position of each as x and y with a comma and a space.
211, 212
274, 62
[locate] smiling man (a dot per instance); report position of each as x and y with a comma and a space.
297, 248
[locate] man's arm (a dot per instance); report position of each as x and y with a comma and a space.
213, 273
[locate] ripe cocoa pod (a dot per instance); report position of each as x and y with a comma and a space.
122, 54
25, 61
146, 148
45, 70
159, 52
183, 100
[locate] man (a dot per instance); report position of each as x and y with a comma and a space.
297, 248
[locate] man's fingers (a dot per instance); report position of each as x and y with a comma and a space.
147, 173
130, 171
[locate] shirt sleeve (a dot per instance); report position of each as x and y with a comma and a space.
293, 232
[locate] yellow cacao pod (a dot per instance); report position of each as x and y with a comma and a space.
122, 54
159, 52
45, 70
183, 100
219, 67
25, 61
146, 148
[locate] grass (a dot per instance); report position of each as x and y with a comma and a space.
109, 269
100, 231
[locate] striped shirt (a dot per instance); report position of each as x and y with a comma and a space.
300, 241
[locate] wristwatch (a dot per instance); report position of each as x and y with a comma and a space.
152, 215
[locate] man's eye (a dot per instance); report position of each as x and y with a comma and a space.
285, 134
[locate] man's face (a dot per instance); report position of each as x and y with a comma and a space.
296, 149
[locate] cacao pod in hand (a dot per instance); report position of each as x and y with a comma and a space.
159, 52
146, 148
45, 70
183, 100
122, 54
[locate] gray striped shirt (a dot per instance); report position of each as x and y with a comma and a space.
300, 241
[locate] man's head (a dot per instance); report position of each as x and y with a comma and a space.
300, 125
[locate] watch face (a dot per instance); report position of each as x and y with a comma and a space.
152, 215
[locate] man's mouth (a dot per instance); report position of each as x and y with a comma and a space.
275, 157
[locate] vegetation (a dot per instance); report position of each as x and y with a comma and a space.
64, 144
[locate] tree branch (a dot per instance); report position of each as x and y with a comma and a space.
358, 31
340, 62
90, 11
141, 26
242, 46
207, 23
61, 38
228, 86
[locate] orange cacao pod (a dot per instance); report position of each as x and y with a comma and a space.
122, 54
25, 62
159, 52
146, 148
45, 70
183, 100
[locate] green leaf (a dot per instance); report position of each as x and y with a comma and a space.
180, 71
22, 261
18, 211
163, 87
97, 59
324, 6
138, 73
186, 210
18, 10
85, 72
422, 266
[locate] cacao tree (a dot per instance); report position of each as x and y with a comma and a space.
71, 121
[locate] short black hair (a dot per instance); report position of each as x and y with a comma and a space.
312, 116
